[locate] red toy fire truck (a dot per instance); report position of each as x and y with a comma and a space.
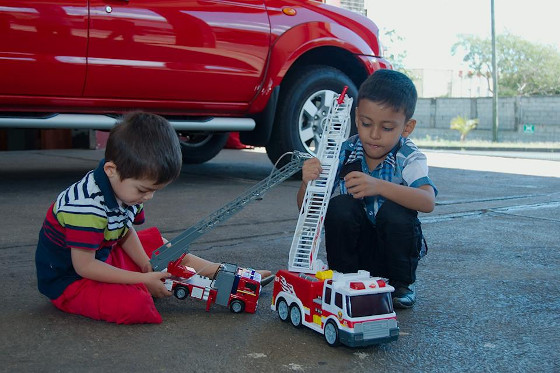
233, 287
353, 308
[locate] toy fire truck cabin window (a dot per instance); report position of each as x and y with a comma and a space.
369, 304
328, 294
338, 300
252, 287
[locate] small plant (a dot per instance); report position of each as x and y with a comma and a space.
463, 125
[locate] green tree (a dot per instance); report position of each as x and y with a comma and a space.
524, 68
395, 52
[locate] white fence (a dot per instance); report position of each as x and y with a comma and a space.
520, 119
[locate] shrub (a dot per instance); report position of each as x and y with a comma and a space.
463, 125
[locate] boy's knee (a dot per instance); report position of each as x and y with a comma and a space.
129, 304
393, 213
343, 208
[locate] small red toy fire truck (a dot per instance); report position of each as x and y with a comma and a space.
233, 287
353, 308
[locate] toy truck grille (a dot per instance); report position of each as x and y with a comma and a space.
377, 329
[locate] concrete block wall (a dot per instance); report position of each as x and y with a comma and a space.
529, 119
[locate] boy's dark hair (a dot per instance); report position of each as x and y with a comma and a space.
390, 87
144, 146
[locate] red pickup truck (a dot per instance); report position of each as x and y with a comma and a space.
265, 68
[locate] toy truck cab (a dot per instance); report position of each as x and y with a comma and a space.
353, 309
237, 288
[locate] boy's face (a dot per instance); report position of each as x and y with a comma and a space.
131, 191
380, 128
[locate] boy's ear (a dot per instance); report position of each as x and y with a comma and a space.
110, 169
409, 127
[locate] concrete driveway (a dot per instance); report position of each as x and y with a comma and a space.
488, 291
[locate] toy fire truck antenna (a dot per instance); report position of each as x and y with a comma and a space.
307, 237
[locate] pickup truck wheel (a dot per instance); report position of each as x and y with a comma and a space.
305, 99
201, 147
295, 316
331, 334
236, 306
181, 292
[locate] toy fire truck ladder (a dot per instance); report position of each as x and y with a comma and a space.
305, 244
180, 244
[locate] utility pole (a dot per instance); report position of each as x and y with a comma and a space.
494, 78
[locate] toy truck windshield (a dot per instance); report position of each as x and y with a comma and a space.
369, 304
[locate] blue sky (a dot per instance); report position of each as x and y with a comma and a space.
430, 27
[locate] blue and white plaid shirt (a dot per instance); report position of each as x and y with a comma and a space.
404, 165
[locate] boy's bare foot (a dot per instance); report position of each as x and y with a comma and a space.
264, 272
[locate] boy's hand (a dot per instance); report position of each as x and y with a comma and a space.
361, 185
147, 267
155, 285
311, 170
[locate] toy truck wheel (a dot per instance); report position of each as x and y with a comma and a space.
236, 306
283, 311
295, 316
181, 292
331, 334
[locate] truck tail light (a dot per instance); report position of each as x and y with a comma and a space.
381, 283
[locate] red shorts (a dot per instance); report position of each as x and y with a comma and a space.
119, 303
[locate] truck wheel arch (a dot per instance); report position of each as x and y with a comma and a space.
302, 108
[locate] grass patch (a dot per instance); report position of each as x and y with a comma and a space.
427, 142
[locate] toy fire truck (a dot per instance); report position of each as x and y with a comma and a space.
233, 287
353, 309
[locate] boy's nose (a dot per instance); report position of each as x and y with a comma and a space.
149, 196
375, 132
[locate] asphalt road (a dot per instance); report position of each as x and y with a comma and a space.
488, 291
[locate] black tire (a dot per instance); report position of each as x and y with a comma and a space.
201, 147
331, 334
294, 126
236, 306
295, 316
181, 292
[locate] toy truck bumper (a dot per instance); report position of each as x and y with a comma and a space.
361, 339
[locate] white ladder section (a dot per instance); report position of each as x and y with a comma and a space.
307, 237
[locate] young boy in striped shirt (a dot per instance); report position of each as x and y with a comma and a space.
383, 180
90, 260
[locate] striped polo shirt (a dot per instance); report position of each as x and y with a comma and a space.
404, 165
84, 216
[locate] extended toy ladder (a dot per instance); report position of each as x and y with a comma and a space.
305, 244
180, 244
